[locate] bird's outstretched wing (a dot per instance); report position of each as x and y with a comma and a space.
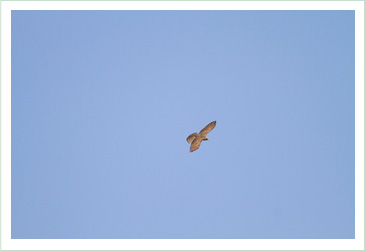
191, 137
207, 129
196, 143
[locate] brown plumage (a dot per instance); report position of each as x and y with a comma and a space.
196, 139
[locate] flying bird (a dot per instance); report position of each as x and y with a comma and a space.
196, 139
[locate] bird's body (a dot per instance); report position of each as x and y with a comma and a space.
196, 139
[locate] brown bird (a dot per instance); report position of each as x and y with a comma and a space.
196, 139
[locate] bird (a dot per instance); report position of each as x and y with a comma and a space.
196, 139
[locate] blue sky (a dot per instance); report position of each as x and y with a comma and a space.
102, 102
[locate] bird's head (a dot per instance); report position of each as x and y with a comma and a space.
205, 138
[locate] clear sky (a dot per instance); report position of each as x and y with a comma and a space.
102, 103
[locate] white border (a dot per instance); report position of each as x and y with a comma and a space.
179, 244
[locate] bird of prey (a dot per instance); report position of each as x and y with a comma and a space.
196, 139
